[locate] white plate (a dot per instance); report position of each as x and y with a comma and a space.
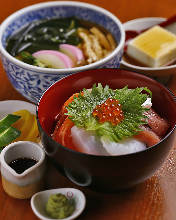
10, 106
39, 200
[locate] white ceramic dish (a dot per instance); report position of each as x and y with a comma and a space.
22, 185
140, 24
39, 200
9, 106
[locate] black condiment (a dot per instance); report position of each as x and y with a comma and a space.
22, 164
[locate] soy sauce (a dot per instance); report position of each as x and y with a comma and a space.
22, 164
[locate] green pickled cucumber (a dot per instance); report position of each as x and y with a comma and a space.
7, 132
7, 136
7, 121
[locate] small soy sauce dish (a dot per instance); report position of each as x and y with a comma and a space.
22, 169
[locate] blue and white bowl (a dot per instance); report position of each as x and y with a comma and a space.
32, 81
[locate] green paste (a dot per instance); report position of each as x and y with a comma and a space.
59, 206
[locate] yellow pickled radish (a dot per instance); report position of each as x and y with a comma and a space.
25, 117
33, 134
27, 124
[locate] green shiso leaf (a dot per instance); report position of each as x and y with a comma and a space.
80, 111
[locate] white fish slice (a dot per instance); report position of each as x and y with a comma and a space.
130, 145
87, 142
147, 103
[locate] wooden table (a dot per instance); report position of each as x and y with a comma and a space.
154, 199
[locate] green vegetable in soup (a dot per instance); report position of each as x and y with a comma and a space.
44, 35
58, 206
28, 58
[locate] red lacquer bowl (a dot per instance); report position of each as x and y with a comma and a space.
105, 173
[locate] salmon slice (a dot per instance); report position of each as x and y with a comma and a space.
61, 117
62, 134
156, 123
147, 136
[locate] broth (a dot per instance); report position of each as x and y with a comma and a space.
48, 34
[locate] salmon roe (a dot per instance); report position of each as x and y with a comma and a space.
109, 111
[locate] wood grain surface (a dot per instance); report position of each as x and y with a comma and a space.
154, 199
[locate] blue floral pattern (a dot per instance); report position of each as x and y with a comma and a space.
32, 84
29, 83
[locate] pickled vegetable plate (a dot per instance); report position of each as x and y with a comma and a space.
26, 124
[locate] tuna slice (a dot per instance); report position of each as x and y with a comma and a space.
148, 136
156, 123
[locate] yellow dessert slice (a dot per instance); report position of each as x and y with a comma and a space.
154, 48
